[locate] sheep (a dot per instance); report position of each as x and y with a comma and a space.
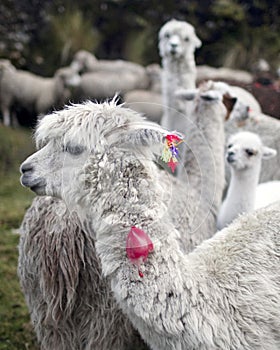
148, 101
102, 85
223, 295
35, 93
244, 155
177, 44
233, 75
104, 78
86, 62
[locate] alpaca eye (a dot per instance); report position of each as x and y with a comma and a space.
167, 35
186, 38
74, 150
230, 145
250, 152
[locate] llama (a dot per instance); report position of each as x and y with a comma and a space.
244, 155
223, 295
177, 44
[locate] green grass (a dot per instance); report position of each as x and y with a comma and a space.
15, 329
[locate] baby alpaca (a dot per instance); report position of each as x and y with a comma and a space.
245, 152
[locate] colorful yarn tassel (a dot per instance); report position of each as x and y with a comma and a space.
170, 151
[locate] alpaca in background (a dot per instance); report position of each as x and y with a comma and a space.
177, 44
244, 155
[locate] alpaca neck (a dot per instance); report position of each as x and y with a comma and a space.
180, 73
205, 161
241, 194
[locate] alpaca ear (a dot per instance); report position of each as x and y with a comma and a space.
139, 135
186, 94
229, 103
197, 42
268, 152
145, 135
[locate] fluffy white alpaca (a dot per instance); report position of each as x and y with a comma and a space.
224, 295
244, 155
177, 44
52, 307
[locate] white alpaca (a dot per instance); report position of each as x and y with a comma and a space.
268, 129
244, 155
245, 103
177, 44
224, 295
52, 219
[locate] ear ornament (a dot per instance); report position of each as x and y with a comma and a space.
170, 151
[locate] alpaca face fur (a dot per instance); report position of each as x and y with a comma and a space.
224, 295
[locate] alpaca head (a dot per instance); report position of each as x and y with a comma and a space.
82, 139
177, 39
245, 150
240, 111
216, 102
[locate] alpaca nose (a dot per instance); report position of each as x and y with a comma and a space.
230, 157
174, 45
26, 167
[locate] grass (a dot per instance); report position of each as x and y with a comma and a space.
15, 329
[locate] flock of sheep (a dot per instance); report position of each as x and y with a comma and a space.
97, 177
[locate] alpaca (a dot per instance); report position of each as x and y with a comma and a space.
244, 155
246, 102
177, 43
223, 295
268, 129
54, 218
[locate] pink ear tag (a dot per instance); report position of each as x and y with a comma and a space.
138, 247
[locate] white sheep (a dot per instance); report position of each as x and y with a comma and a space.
223, 295
244, 155
177, 44
85, 61
148, 101
102, 79
35, 93
205, 72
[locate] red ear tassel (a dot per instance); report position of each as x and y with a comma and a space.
138, 247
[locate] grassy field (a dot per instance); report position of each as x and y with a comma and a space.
15, 329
